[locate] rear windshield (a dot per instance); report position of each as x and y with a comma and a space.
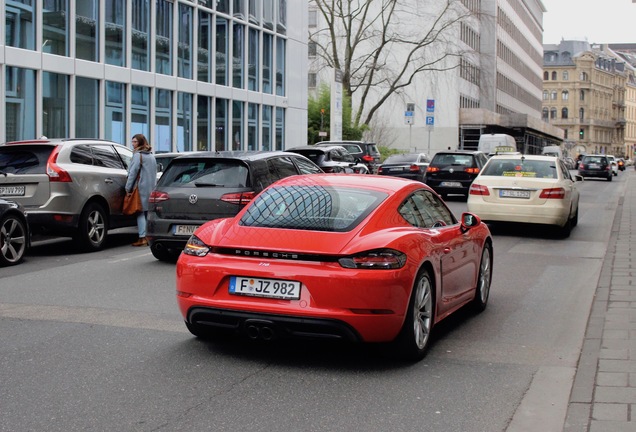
402, 158
520, 168
313, 155
445, 159
316, 208
595, 159
208, 173
24, 160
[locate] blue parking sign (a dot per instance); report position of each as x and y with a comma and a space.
430, 120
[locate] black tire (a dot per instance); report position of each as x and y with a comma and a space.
609, 178
575, 219
163, 254
484, 279
414, 338
565, 230
13, 240
92, 228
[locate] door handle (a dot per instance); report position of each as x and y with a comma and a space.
108, 180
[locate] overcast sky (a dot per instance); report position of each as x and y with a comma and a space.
597, 21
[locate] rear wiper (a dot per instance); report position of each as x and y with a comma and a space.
204, 184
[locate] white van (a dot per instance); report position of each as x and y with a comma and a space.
552, 151
497, 143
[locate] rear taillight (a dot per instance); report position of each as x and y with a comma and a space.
471, 170
53, 170
553, 193
477, 189
158, 196
414, 168
367, 158
240, 198
431, 169
383, 259
379, 170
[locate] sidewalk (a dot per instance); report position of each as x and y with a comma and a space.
603, 397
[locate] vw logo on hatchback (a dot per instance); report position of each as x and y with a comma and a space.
193, 199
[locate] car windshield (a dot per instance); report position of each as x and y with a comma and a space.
401, 158
195, 172
520, 168
595, 159
442, 160
311, 207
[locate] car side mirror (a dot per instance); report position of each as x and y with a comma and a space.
159, 167
578, 177
469, 220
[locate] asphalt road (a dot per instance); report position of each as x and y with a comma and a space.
95, 342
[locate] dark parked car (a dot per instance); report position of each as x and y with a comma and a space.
164, 159
331, 159
202, 186
596, 166
364, 152
452, 172
69, 187
412, 166
14, 231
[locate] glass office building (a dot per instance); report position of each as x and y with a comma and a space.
190, 75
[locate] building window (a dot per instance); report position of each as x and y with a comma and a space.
553, 113
55, 27
544, 114
565, 95
267, 128
140, 35
281, 24
583, 76
115, 22
581, 114
239, 9
19, 103
221, 125
204, 111
252, 126
280, 129
280, 67
267, 62
554, 76
312, 80
87, 31
312, 48
313, 18
253, 63
582, 95
204, 57
566, 76
114, 121
255, 11
163, 121
237, 125
163, 39
222, 51
238, 57
140, 112
546, 75
20, 24
546, 95
55, 105
184, 122
223, 6
268, 14
564, 113
184, 51
87, 107
554, 95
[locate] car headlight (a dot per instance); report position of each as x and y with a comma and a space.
196, 247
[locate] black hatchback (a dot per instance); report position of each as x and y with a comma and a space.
597, 166
202, 186
452, 172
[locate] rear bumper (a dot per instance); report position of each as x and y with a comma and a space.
544, 214
597, 174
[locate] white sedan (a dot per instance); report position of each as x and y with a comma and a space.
526, 189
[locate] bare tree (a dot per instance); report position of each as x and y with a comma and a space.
381, 46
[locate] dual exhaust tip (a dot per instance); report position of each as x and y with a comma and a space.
260, 330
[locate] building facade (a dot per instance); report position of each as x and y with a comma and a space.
190, 75
495, 85
585, 93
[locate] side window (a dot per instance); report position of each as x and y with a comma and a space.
335, 156
564, 171
126, 155
424, 209
346, 157
105, 156
284, 166
81, 154
305, 167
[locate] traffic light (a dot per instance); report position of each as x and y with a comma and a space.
581, 134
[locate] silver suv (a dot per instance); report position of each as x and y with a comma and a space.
69, 187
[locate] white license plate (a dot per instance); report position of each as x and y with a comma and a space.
400, 169
270, 288
450, 184
505, 193
11, 190
185, 230
594, 166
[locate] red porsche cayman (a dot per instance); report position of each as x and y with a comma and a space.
353, 257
